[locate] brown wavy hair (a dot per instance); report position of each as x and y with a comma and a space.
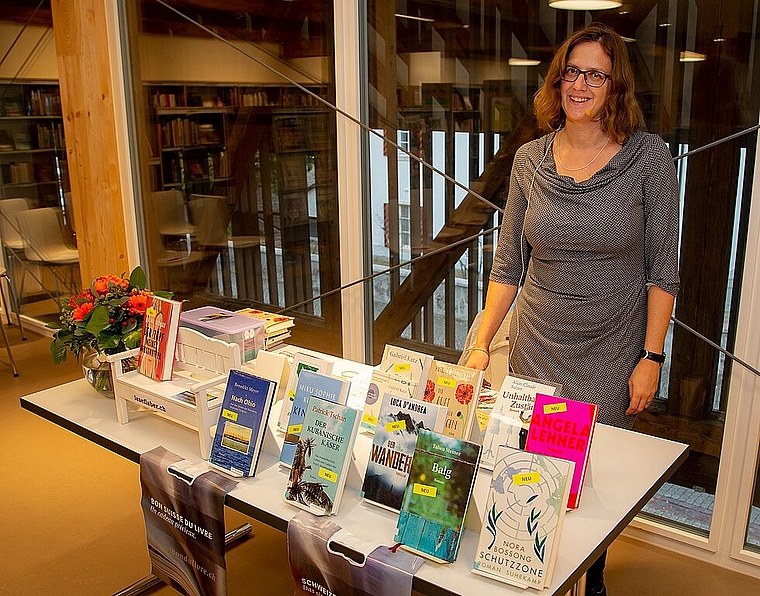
621, 115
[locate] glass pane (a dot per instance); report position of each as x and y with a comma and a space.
752, 541
36, 223
457, 95
237, 155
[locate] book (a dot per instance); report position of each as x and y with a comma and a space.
159, 338
525, 511
274, 367
301, 362
510, 416
457, 388
382, 384
564, 428
273, 323
322, 456
437, 495
242, 423
409, 364
310, 384
390, 459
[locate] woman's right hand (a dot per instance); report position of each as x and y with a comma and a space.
478, 359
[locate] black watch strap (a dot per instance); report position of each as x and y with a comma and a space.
659, 358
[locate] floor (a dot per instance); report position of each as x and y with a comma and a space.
73, 524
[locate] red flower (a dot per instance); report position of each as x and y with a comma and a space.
103, 283
137, 304
464, 394
81, 311
429, 391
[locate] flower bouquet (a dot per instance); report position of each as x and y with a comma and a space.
104, 319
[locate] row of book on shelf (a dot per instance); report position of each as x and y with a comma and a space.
432, 428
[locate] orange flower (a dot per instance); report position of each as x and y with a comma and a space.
102, 284
81, 311
138, 304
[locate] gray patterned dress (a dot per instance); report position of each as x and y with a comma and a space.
587, 252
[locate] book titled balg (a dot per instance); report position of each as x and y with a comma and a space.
323, 456
437, 496
242, 423
564, 428
524, 514
390, 459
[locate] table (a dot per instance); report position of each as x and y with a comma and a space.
626, 469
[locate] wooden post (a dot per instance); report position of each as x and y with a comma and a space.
91, 144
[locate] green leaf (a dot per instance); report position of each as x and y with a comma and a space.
137, 278
58, 350
99, 320
132, 339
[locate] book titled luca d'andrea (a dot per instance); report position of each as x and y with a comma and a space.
524, 514
390, 459
322, 457
242, 423
437, 496
564, 428
159, 338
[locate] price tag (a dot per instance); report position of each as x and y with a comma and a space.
444, 382
402, 367
295, 429
229, 415
328, 475
555, 408
425, 490
369, 419
399, 425
528, 478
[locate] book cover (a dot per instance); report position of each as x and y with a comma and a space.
382, 384
457, 388
274, 367
273, 323
310, 384
301, 362
159, 338
392, 450
525, 510
509, 419
408, 364
564, 428
322, 456
242, 423
437, 495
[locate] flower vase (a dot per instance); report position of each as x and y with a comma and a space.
97, 372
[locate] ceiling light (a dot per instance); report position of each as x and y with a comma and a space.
628, 39
413, 18
585, 4
523, 62
689, 56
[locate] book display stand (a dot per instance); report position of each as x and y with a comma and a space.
194, 394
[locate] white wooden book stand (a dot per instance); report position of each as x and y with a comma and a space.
194, 394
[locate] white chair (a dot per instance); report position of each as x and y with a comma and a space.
13, 241
5, 278
45, 241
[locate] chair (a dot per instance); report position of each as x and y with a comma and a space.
45, 241
174, 224
13, 241
4, 277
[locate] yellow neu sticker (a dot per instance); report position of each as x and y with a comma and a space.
528, 478
402, 367
444, 382
295, 429
555, 408
398, 425
151, 312
425, 490
229, 415
328, 475
370, 419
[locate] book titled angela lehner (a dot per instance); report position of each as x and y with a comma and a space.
242, 423
525, 511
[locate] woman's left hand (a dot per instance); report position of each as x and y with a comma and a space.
642, 386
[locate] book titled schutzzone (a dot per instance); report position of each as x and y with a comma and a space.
242, 423
322, 457
564, 428
390, 460
525, 511
437, 496
159, 338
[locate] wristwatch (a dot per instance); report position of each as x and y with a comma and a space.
659, 358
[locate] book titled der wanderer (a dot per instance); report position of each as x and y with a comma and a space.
563, 428
159, 338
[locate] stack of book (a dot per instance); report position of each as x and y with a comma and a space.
277, 327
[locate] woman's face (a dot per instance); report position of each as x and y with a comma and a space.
580, 101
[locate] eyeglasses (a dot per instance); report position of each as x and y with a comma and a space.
593, 78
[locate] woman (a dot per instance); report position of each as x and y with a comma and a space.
590, 231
